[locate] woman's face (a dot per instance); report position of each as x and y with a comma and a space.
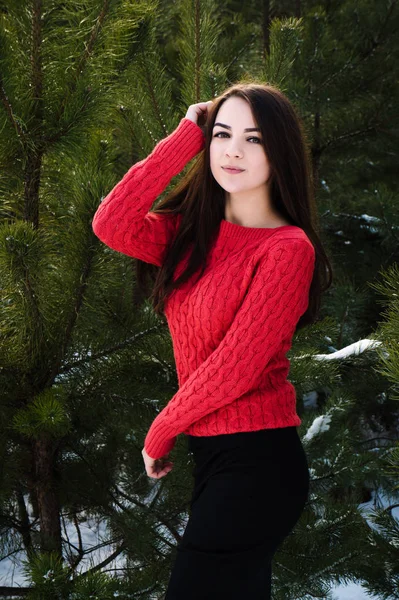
236, 147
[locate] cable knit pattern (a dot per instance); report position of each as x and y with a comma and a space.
231, 330
123, 220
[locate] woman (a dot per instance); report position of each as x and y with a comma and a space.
251, 232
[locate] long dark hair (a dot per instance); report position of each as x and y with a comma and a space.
198, 201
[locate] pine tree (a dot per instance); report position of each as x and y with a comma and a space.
80, 370
86, 90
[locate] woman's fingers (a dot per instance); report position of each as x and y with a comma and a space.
161, 469
159, 474
198, 112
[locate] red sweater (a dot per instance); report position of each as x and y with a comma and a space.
231, 330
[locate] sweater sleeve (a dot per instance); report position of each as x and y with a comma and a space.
275, 300
123, 220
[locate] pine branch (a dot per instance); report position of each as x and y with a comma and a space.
373, 439
105, 562
72, 319
9, 110
173, 531
344, 136
67, 541
25, 528
116, 501
82, 63
48, 140
253, 38
36, 58
14, 592
197, 44
109, 351
81, 551
375, 42
153, 96
391, 507
105, 544
15, 551
123, 508
6, 520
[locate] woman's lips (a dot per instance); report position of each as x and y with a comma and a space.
232, 171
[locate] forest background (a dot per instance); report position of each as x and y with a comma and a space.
86, 90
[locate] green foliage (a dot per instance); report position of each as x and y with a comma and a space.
52, 580
97, 586
286, 37
388, 331
44, 416
20, 260
49, 576
86, 90
392, 466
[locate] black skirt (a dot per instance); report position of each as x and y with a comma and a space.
250, 489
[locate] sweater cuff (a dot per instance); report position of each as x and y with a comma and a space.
157, 448
179, 147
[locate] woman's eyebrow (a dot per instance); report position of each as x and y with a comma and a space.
228, 127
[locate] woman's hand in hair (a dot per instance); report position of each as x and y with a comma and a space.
156, 468
198, 113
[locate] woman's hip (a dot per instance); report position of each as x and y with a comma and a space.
255, 472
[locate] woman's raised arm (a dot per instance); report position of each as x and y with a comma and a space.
123, 220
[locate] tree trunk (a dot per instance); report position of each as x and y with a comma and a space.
32, 186
47, 496
265, 27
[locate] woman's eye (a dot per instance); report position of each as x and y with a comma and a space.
224, 133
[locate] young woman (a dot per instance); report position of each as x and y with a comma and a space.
238, 268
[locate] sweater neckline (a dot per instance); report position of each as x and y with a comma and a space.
232, 230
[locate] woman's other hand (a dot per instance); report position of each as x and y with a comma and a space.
156, 468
